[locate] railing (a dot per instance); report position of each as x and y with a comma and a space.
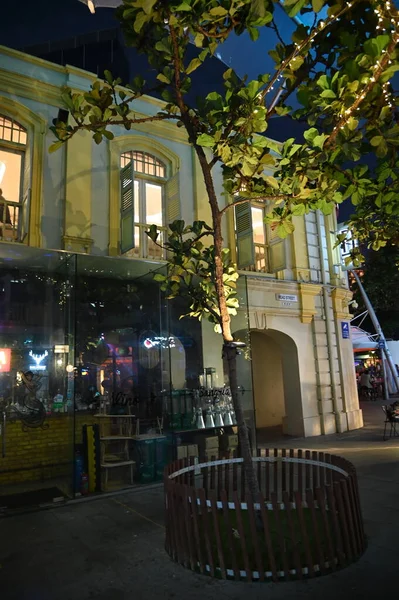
10, 221
261, 259
305, 521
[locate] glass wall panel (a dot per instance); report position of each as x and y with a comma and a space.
36, 376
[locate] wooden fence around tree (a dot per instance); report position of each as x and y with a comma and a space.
306, 520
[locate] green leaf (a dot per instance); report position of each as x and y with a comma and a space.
140, 20
163, 78
193, 65
310, 134
296, 63
218, 11
317, 5
205, 140
148, 5
376, 140
159, 277
298, 210
272, 181
328, 94
54, 147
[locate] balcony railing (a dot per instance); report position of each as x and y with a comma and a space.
261, 259
11, 221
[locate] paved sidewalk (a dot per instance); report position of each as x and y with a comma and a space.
112, 548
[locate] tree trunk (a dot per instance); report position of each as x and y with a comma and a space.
228, 347
249, 469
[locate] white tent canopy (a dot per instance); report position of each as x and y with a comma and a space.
362, 340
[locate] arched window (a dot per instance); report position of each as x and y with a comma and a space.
13, 144
143, 193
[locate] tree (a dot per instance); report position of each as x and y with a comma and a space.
338, 70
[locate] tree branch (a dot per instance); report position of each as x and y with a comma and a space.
281, 198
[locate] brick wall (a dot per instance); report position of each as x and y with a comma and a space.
40, 454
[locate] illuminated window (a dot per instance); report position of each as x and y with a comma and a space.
13, 141
143, 179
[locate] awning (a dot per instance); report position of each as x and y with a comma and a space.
362, 341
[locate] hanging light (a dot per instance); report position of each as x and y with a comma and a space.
93, 4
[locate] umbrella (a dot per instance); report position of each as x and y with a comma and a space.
93, 4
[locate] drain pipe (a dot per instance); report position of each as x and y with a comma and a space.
329, 331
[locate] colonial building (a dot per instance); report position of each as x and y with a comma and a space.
75, 282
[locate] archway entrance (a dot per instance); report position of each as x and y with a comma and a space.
276, 384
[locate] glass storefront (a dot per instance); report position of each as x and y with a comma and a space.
101, 382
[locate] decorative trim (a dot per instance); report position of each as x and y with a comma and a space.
77, 244
308, 292
341, 298
36, 128
16, 84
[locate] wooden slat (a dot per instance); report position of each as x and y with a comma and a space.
322, 470
227, 517
205, 478
268, 539
219, 547
277, 518
267, 476
235, 476
315, 470
296, 556
220, 481
185, 551
283, 471
242, 481
197, 529
259, 467
338, 546
313, 513
275, 472
321, 501
227, 477
355, 503
300, 474
307, 470
213, 475
241, 533
187, 516
291, 471
255, 536
207, 531
349, 517
342, 521
305, 533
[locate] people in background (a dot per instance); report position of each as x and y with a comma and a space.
5, 216
365, 380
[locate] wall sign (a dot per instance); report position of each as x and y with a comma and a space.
345, 330
287, 297
38, 359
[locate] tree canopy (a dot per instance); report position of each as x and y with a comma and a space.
339, 70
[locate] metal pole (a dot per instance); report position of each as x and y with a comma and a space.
385, 376
378, 329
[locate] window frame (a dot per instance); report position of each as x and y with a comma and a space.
142, 250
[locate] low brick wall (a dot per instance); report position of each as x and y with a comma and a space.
40, 454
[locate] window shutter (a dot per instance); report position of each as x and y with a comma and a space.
172, 192
23, 220
127, 207
244, 234
277, 257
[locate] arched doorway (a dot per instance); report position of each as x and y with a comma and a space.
276, 384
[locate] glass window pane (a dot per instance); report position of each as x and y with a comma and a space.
153, 197
258, 225
10, 175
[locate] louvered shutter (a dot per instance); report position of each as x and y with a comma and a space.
127, 207
172, 192
244, 235
277, 256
